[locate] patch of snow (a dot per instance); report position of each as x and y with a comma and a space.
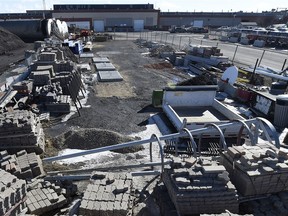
96, 157
73, 110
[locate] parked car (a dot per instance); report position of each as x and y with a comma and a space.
177, 30
196, 30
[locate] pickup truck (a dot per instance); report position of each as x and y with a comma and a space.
192, 107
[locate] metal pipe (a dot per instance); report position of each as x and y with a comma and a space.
160, 151
194, 146
144, 173
222, 138
70, 177
244, 125
103, 169
146, 141
272, 129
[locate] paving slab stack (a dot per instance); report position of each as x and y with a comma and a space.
22, 164
12, 194
21, 130
276, 204
44, 196
108, 194
106, 70
256, 170
200, 188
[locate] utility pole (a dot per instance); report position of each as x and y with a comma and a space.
44, 8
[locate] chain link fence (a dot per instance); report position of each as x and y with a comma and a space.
244, 55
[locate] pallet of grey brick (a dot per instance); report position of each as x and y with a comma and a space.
61, 105
108, 194
44, 197
201, 189
276, 204
257, 170
12, 194
41, 78
22, 164
21, 129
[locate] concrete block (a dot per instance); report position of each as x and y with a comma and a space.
259, 43
244, 41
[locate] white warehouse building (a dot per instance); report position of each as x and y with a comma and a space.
108, 17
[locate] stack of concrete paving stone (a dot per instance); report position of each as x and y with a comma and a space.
46, 68
201, 188
47, 57
106, 70
43, 197
256, 170
276, 204
22, 164
41, 78
21, 130
108, 194
59, 53
62, 104
12, 194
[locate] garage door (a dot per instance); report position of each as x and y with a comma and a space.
80, 25
98, 25
138, 25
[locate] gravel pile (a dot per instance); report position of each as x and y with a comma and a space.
93, 138
9, 41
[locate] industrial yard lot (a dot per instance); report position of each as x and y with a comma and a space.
114, 182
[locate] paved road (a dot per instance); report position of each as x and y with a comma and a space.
245, 55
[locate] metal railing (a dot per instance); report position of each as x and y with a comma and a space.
257, 124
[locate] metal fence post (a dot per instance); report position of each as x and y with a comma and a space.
173, 40
235, 53
166, 38
261, 57
180, 42
283, 67
161, 37
127, 35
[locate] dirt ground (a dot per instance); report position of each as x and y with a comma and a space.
125, 106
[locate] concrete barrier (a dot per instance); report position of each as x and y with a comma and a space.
233, 39
244, 41
223, 38
259, 43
